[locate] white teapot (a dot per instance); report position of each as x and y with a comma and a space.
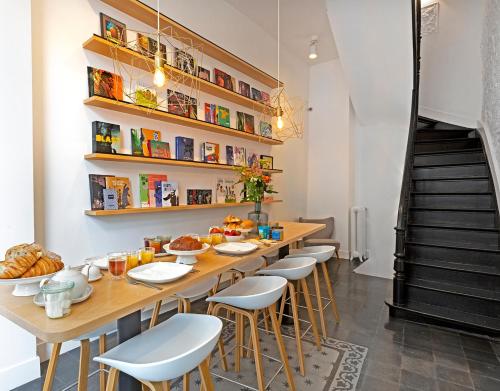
80, 280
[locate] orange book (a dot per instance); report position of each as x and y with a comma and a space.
155, 189
148, 135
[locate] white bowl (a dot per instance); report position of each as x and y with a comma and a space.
238, 248
232, 239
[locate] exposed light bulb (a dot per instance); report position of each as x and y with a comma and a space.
313, 48
159, 77
279, 122
313, 56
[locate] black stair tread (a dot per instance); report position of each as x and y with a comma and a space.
453, 246
455, 289
438, 124
451, 151
445, 140
449, 265
448, 178
452, 193
453, 227
447, 314
486, 210
449, 164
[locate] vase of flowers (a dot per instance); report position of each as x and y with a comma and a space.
255, 185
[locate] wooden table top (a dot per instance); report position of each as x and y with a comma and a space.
113, 299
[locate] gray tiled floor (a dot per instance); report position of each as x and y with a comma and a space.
402, 355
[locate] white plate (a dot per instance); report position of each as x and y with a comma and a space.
238, 248
101, 262
38, 299
25, 286
159, 272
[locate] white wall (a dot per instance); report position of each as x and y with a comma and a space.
18, 361
328, 186
375, 49
450, 82
64, 125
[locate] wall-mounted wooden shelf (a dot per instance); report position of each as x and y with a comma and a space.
128, 56
148, 15
170, 209
130, 108
168, 162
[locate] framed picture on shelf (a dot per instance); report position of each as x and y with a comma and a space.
245, 122
113, 30
185, 62
104, 83
146, 97
265, 129
203, 73
222, 79
266, 162
244, 88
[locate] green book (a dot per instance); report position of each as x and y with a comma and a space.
136, 142
223, 116
144, 190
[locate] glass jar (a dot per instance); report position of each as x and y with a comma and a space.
165, 239
258, 217
57, 298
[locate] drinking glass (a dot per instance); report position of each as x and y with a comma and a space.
217, 239
133, 259
156, 245
147, 255
117, 265
206, 239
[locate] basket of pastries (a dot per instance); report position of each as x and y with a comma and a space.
235, 223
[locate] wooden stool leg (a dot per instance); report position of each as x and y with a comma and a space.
320, 302
112, 379
51, 370
282, 306
220, 345
155, 314
281, 347
239, 342
337, 254
83, 372
330, 292
310, 312
186, 379
180, 307
102, 374
166, 385
153, 385
266, 322
296, 325
256, 352
206, 379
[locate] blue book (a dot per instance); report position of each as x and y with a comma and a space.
158, 194
184, 148
229, 155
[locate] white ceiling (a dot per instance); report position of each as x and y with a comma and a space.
299, 21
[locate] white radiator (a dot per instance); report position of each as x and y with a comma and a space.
358, 233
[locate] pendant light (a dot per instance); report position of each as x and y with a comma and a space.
159, 77
313, 48
279, 111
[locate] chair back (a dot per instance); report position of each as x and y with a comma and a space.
326, 233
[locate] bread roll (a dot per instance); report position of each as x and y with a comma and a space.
16, 267
185, 243
43, 266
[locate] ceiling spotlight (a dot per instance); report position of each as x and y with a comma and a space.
313, 48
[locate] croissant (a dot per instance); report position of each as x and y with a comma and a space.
43, 266
22, 250
14, 268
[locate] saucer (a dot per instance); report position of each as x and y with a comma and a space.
97, 278
38, 299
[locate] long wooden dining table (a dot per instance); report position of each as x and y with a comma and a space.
119, 300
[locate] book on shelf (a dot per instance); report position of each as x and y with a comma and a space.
144, 190
140, 140
159, 149
229, 155
110, 199
97, 184
265, 129
105, 137
170, 193
113, 30
184, 148
253, 160
123, 190
210, 152
193, 108
222, 79
240, 156
154, 189
225, 191
266, 162
223, 117
256, 95
185, 61
177, 103
244, 88
265, 98
203, 73
146, 97
210, 113
245, 122
199, 197
104, 83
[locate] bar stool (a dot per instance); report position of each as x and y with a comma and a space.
321, 254
244, 298
166, 351
184, 306
83, 369
296, 269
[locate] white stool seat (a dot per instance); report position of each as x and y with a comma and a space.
250, 265
168, 350
290, 268
320, 253
199, 289
106, 329
252, 293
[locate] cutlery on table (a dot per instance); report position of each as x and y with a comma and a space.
137, 282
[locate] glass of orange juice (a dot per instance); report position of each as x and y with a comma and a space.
206, 239
133, 259
147, 255
217, 238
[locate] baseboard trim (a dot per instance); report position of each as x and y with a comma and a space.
19, 374
451, 118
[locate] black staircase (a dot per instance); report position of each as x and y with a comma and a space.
447, 266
